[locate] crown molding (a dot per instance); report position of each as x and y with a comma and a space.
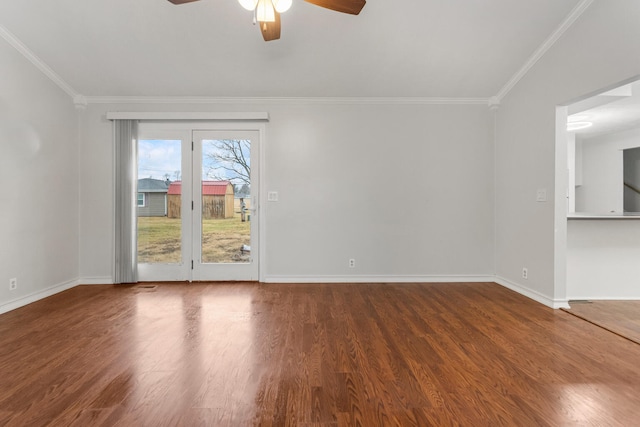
492, 102
155, 115
285, 100
37, 62
544, 47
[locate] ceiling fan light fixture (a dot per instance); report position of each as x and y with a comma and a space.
573, 126
282, 5
248, 4
265, 11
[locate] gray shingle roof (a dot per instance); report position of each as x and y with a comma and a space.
150, 185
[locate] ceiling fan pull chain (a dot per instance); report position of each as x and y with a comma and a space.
255, 16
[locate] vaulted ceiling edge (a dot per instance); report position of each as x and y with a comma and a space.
81, 100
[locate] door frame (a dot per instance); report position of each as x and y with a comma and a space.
188, 127
228, 271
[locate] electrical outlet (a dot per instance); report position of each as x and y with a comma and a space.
525, 273
352, 263
13, 284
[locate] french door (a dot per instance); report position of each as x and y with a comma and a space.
198, 204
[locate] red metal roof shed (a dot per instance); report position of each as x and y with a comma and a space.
209, 188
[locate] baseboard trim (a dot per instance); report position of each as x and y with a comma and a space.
36, 296
534, 295
106, 280
601, 298
378, 279
98, 280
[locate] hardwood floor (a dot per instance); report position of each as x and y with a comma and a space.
618, 317
310, 355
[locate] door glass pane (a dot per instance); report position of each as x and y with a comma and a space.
159, 201
226, 201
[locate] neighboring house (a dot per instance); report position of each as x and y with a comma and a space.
217, 199
152, 197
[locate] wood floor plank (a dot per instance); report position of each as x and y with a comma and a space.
619, 317
233, 354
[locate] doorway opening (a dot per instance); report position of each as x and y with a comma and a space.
197, 210
598, 228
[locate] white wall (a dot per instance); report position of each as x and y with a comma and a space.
603, 259
39, 179
598, 51
602, 171
406, 190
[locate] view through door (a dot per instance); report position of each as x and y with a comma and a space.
197, 210
225, 184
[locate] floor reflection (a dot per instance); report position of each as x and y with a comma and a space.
582, 403
195, 352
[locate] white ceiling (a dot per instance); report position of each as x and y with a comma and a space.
610, 112
210, 48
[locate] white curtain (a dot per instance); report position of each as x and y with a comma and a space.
126, 184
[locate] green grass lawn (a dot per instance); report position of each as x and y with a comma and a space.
159, 240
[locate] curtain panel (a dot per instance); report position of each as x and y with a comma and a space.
126, 187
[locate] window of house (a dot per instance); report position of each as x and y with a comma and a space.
141, 200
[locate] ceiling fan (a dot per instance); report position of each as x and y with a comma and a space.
267, 12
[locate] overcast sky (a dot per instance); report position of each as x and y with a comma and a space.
156, 158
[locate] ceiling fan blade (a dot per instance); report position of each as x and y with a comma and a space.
181, 1
345, 6
270, 30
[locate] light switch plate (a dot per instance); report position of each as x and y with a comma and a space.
272, 196
541, 195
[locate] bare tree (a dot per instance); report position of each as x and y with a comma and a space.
229, 160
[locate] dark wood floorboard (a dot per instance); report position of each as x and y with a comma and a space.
619, 317
322, 355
